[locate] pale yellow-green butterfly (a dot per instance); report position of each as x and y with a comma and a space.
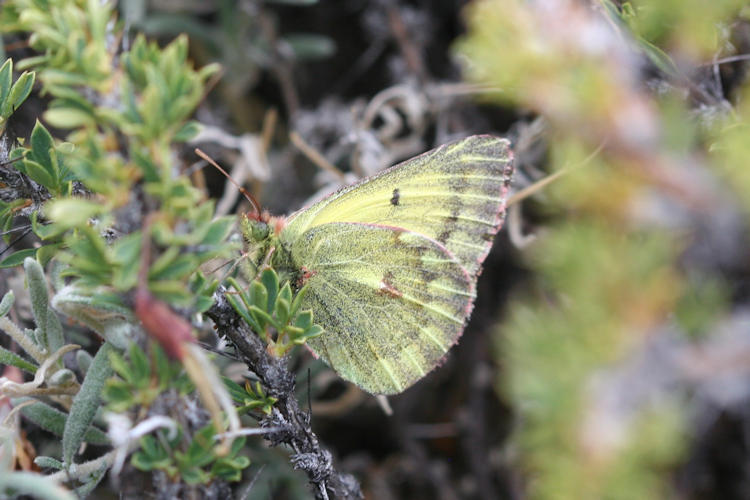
392, 261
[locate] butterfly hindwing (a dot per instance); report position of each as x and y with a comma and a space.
392, 301
454, 194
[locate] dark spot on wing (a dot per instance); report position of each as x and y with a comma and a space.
428, 275
396, 197
450, 226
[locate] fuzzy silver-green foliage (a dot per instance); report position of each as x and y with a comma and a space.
46, 346
29, 483
85, 404
49, 329
53, 420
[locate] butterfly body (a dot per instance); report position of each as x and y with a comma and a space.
392, 261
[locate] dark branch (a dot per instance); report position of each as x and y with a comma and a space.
309, 455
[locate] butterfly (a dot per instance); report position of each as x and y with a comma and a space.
391, 262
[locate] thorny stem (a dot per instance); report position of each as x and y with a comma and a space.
309, 455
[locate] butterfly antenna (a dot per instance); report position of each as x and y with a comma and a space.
245, 192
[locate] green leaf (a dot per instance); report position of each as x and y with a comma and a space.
162, 365
120, 366
203, 303
59, 80
263, 317
173, 292
19, 92
218, 230
258, 295
126, 253
68, 117
194, 475
139, 365
45, 253
270, 281
285, 293
6, 75
179, 267
31, 61
41, 146
39, 301
152, 455
85, 403
13, 359
61, 377
92, 481
83, 360
236, 391
230, 469
188, 131
45, 231
54, 331
90, 256
659, 58
304, 320
72, 212
297, 302
282, 310
312, 332
6, 219
118, 395
48, 463
151, 446
242, 311
35, 485
17, 258
54, 421
39, 174
7, 303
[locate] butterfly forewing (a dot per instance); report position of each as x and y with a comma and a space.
392, 301
454, 194
391, 262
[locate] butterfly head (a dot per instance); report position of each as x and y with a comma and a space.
262, 236
256, 226
260, 226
